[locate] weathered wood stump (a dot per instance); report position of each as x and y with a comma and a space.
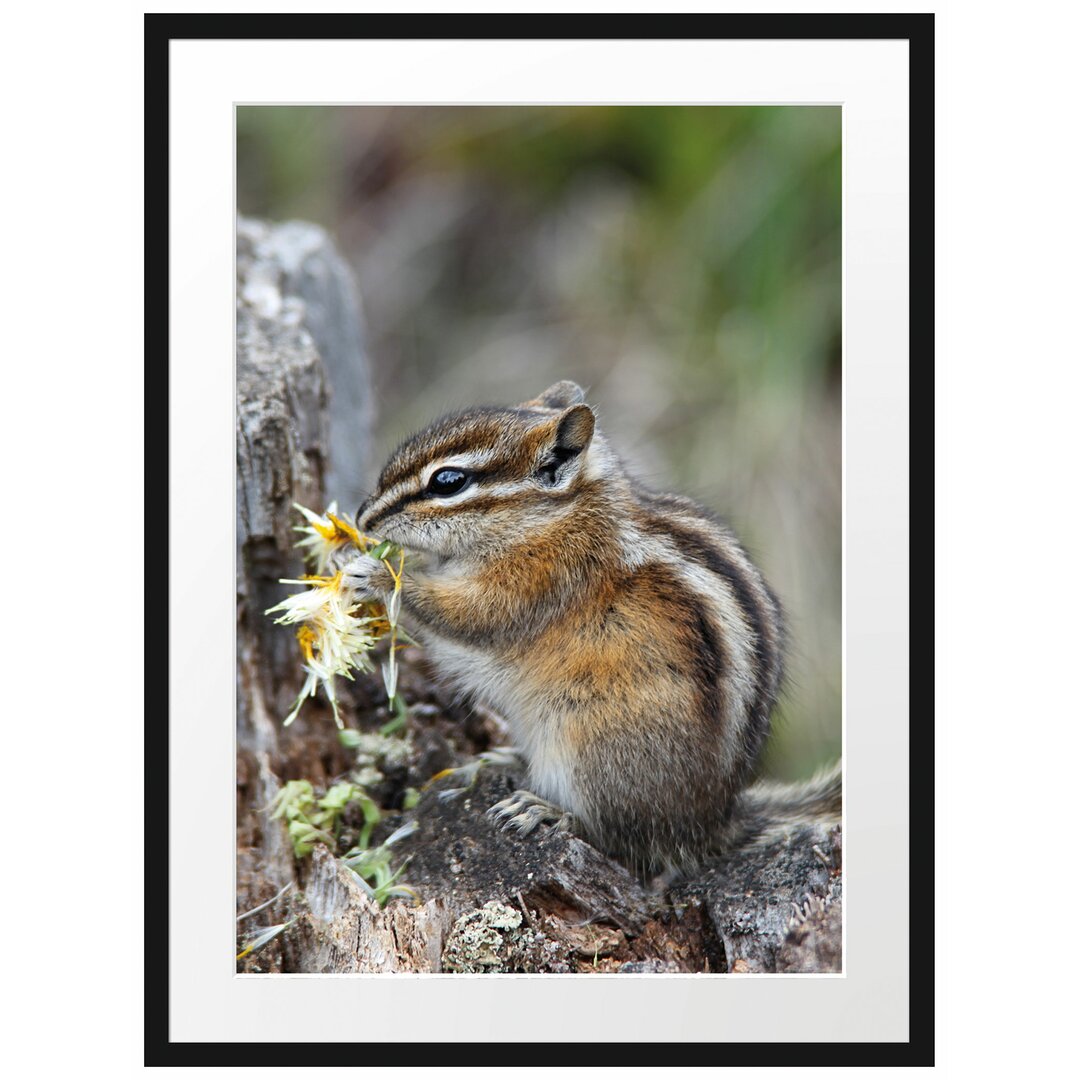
486, 900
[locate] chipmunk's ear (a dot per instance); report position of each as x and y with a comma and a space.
575, 430
559, 396
571, 434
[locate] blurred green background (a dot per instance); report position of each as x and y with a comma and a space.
684, 263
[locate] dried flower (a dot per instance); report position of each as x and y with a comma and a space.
325, 534
336, 629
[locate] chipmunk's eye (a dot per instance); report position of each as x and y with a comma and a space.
449, 482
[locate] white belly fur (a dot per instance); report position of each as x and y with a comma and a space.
535, 731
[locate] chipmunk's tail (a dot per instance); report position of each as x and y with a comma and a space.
768, 810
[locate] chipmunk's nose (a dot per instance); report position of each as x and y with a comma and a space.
360, 513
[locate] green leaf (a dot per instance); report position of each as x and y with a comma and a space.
400, 717
293, 799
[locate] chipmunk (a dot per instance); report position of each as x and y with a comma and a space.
631, 645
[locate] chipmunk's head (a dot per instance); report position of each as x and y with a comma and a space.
483, 478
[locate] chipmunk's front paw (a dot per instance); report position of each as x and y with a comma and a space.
368, 576
523, 811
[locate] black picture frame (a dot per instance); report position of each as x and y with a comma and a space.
918, 31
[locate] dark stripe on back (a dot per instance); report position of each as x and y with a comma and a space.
710, 517
711, 664
697, 548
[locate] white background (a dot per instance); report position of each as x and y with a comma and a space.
1007, 386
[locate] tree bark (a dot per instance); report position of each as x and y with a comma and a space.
283, 438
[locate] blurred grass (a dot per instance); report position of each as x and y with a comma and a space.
684, 262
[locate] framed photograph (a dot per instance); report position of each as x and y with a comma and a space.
555, 660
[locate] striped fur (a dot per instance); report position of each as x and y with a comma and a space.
625, 635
